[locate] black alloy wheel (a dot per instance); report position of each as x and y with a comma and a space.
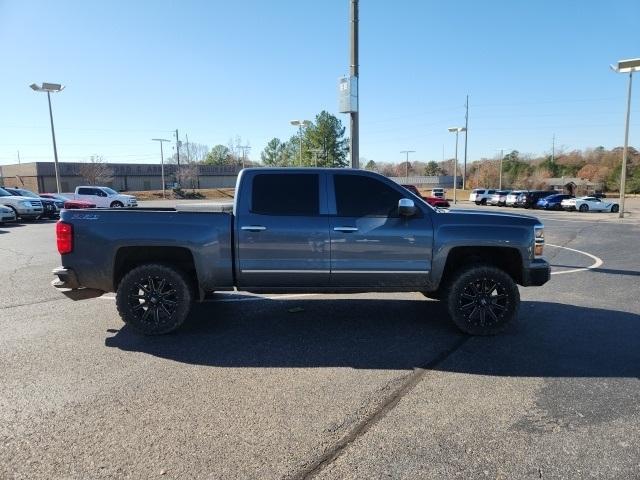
154, 299
483, 300
584, 207
116, 204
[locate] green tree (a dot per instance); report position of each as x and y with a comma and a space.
432, 168
326, 134
219, 155
274, 154
371, 165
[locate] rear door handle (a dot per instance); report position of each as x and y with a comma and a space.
253, 228
345, 229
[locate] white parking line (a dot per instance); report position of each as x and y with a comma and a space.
597, 262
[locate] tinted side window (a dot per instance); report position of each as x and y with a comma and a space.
85, 191
286, 194
359, 196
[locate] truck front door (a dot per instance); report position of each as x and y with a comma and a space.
283, 231
371, 244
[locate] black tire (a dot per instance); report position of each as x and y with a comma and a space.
14, 211
477, 203
615, 208
154, 299
483, 201
584, 207
482, 300
116, 204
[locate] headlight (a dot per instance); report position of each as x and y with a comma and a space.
538, 241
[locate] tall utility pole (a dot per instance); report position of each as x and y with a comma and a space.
406, 164
501, 160
244, 149
161, 140
178, 148
353, 71
466, 134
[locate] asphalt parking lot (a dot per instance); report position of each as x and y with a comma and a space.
331, 386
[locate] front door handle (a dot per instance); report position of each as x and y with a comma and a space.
253, 228
345, 229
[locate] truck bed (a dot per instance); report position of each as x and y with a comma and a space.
105, 239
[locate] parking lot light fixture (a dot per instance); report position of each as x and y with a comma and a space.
300, 124
457, 131
626, 66
49, 88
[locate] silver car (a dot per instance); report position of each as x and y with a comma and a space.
6, 215
499, 198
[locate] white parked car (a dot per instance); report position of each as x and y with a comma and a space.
586, 204
499, 198
437, 192
103, 197
481, 195
6, 215
512, 197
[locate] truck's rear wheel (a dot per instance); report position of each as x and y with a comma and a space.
154, 299
482, 300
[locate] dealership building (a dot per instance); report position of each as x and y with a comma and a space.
41, 177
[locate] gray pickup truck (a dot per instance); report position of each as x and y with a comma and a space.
303, 230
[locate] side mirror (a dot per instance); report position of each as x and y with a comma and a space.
406, 207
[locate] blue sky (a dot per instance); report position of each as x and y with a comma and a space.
214, 70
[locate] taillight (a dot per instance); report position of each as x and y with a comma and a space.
64, 237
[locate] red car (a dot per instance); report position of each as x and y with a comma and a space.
433, 201
68, 203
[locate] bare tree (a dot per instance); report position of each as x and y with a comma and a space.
96, 171
187, 175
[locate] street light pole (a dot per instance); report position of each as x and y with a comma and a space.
161, 140
51, 87
457, 131
626, 66
406, 164
300, 124
501, 150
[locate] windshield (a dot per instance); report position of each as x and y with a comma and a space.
27, 193
110, 191
4, 193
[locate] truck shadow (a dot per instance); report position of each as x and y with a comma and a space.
550, 339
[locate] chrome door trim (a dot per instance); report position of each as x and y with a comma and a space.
419, 272
285, 271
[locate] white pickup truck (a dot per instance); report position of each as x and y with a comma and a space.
103, 197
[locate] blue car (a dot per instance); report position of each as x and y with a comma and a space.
552, 202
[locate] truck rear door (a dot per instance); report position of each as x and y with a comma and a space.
371, 244
283, 230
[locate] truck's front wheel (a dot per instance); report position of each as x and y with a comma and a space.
482, 300
154, 299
